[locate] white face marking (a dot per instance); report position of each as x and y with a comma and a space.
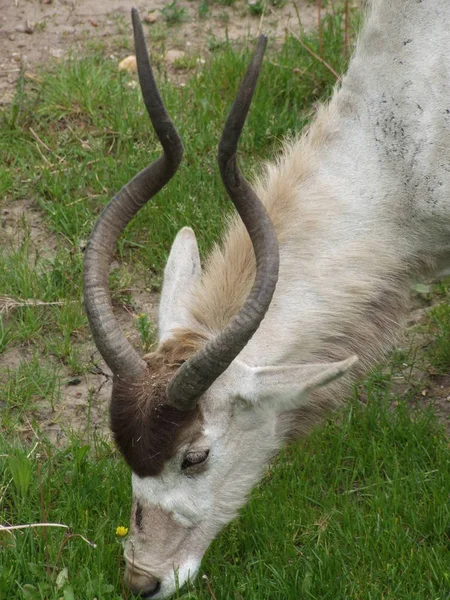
178, 577
188, 499
188, 571
182, 511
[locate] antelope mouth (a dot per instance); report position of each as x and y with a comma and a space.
136, 567
140, 582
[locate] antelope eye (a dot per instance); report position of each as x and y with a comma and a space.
194, 458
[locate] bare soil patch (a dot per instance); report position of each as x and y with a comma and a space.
83, 400
34, 32
83, 405
22, 221
416, 381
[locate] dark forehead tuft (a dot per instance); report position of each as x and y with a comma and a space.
147, 431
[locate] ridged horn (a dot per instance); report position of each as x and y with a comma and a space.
196, 375
119, 355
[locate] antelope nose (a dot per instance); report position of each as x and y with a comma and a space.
145, 585
150, 593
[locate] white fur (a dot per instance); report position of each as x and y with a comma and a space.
180, 275
179, 577
361, 205
287, 386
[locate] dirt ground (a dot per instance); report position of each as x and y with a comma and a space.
84, 399
32, 32
36, 32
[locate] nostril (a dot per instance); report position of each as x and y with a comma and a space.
141, 584
151, 591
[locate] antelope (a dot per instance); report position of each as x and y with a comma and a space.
305, 292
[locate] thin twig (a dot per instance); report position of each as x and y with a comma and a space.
66, 538
38, 139
91, 162
32, 525
89, 197
310, 50
295, 70
44, 518
60, 159
209, 587
104, 190
74, 133
39, 441
44, 158
7, 303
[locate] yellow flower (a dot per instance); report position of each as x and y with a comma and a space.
121, 531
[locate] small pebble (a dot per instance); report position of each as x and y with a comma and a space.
128, 64
151, 17
27, 28
173, 55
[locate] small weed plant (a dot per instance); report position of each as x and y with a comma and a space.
146, 331
173, 13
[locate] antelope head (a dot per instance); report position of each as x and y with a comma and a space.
195, 424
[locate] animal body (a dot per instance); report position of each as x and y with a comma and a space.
253, 352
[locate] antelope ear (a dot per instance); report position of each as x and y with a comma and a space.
180, 276
287, 387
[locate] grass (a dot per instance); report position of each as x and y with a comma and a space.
173, 13
359, 511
